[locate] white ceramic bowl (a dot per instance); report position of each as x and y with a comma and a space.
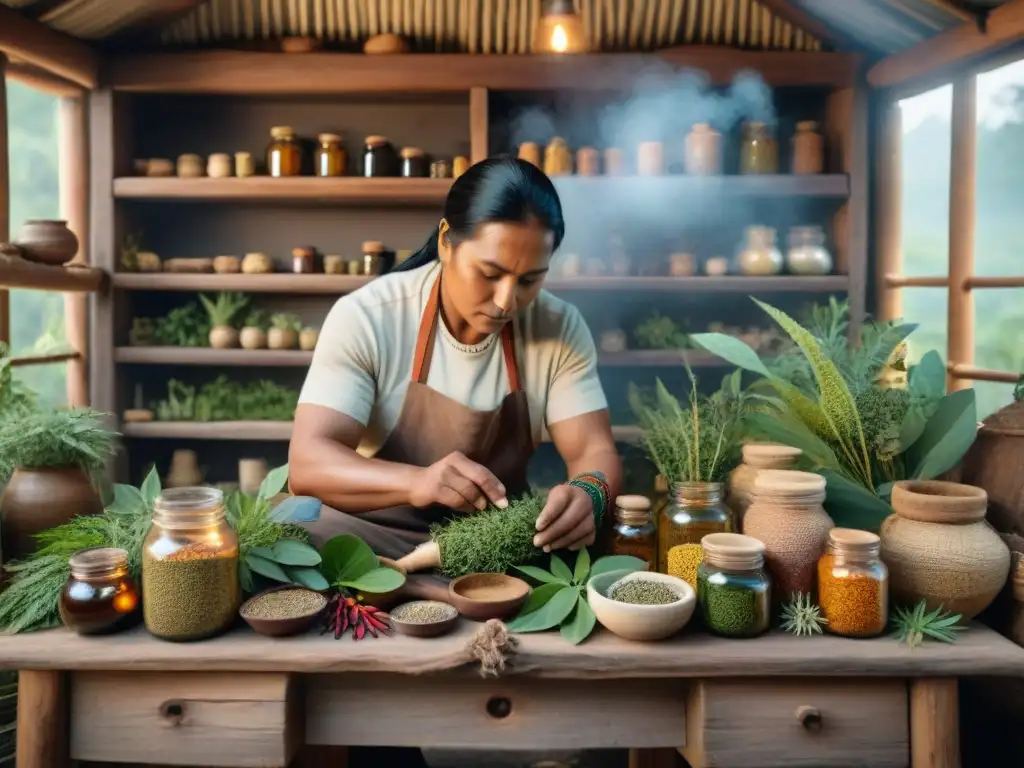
640, 622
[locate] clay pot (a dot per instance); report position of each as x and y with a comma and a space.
995, 462
251, 472
308, 338
939, 547
787, 516
282, 338
47, 241
184, 470
252, 337
757, 457
223, 337
38, 499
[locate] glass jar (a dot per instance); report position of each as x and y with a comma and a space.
373, 257
304, 260
703, 151
189, 566
853, 584
100, 596
378, 158
733, 588
758, 255
693, 510
588, 161
460, 164
557, 158
530, 152
634, 532
414, 163
441, 169
614, 164
808, 148
807, 254
284, 154
758, 151
330, 158
650, 158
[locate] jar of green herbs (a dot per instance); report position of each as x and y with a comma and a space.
733, 588
693, 510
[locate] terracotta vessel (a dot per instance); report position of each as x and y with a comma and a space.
995, 462
939, 547
308, 338
757, 457
252, 337
47, 241
38, 499
184, 470
251, 472
223, 337
282, 338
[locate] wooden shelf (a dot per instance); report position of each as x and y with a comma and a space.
659, 358
352, 191
281, 358
18, 273
635, 190
257, 430
282, 282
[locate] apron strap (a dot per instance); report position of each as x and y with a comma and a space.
428, 332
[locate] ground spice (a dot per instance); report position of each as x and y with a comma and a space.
191, 593
853, 603
732, 608
423, 612
683, 562
285, 604
644, 592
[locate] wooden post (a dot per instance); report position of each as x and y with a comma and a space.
478, 125
934, 723
74, 206
960, 344
889, 213
5, 200
42, 720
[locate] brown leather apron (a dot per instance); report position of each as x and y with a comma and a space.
431, 426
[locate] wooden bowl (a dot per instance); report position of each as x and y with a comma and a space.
433, 629
384, 600
282, 627
484, 596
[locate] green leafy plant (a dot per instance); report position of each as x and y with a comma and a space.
350, 566
185, 326
802, 617
257, 318
561, 599
286, 321
142, 331
225, 400
16, 399
913, 625
1018, 389
225, 308
55, 439
660, 332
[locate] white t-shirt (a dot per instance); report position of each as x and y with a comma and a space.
364, 356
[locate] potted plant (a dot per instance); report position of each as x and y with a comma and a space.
254, 330
223, 335
308, 338
284, 330
49, 456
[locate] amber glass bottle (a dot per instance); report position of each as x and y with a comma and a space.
284, 155
330, 158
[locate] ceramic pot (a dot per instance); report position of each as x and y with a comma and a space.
223, 337
808, 149
703, 150
995, 462
757, 457
307, 339
184, 470
940, 548
47, 241
251, 473
252, 337
787, 516
282, 338
38, 499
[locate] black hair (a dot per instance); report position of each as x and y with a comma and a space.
502, 188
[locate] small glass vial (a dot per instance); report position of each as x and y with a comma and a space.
693, 511
284, 154
414, 163
650, 159
460, 165
373, 257
588, 162
100, 597
733, 589
808, 149
807, 254
330, 158
189, 566
378, 158
634, 532
441, 169
758, 151
853, 584
530, 152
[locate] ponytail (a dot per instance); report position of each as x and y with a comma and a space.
424, 255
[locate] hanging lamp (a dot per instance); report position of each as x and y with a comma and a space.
559, 29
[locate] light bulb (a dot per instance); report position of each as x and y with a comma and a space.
559, 29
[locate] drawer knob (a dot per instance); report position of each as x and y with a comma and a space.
499, 707
172, 711
809, 717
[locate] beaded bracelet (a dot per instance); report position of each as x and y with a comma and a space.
596, 486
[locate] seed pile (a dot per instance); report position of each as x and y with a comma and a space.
853, 603
644, 592
732, 609
285, 604
683, 561
190, 594
423, 612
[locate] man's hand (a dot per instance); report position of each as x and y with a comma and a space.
458, 483
567, 520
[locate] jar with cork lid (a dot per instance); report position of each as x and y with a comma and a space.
284, 153
330, 158
733, 588
694, 509
808, 149
100, 596
853, 584
414, 163
373, 257
757, 457
378, 158
634, 532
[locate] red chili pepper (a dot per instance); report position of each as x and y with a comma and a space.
373, 621
369, 627
360, 631
371, 609
353, 614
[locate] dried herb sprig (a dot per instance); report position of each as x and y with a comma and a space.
913, 625
802, 617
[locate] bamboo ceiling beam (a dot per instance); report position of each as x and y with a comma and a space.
35, 43
159, 13
958, 46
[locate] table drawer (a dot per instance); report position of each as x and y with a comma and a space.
787, 722
205, 719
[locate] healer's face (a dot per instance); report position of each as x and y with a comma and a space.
497, 272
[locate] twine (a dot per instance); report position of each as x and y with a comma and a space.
492, 645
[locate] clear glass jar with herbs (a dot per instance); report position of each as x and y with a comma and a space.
189, 566
853, 584
634, 532
693, 511
733, 588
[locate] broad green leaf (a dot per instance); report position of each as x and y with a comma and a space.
233, 507
927, 379
560, 569
346, 558
539, 596
948, 434
617, 563
150, 489
540, 574
379, 580
273, 482
851, 505
308, 577
297, 509
884, 491
913, 425
295, 552
267, 568
782, 428
732, 350
582, 569
245, 576
265, 552
549, 615
580, 624
127, 500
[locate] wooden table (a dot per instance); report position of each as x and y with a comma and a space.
245, 700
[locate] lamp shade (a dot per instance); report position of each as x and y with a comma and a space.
559, 29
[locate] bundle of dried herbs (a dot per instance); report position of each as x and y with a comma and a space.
489, 542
